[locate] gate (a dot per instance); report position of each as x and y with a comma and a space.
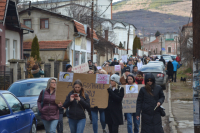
6, 77
18, 72
56, 68
47, 70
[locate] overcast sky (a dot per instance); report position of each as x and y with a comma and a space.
115, 0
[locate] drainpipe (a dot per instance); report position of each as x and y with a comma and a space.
74, 50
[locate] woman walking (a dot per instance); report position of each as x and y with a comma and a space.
113, 113
49, 109
131, 81
170, 69
77, 101
149, 100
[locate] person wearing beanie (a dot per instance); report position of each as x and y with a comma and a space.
113, 113
91, 66
124, 76
68, 68
114, 62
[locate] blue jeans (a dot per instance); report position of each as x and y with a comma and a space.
77, 126
50, 126
135, 121
95, 119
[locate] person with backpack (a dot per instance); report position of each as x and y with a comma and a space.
113, 113
129, 116
78, 101
47, 107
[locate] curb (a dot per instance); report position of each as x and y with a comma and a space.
172, 122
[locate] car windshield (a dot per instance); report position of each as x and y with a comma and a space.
151, 69
27, 89
167, 57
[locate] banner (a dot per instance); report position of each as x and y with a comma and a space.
130, 99
81, 68
98, 93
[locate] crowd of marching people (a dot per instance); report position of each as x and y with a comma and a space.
77, 101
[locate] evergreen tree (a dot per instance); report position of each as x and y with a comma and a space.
139, 43
35, 50
121, 45
157, 34
135, 45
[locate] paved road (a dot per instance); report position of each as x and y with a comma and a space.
122, 128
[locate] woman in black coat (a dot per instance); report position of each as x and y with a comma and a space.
113, 113
149, 97
170, 69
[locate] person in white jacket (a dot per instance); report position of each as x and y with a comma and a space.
139, 64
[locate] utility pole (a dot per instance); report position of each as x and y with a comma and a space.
92, 41
161, 47
143, 43
128, 38
196, 59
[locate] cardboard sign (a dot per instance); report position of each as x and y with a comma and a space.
102, 79
111, 70
98, 93
129, 100
117, 68
81, 68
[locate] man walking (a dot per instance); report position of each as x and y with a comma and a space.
178, 59
161, 59
130, 65
176, 66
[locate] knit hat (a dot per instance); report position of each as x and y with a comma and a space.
115, 58
127, 69
115, 78
68, 66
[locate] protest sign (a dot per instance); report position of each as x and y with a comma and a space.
130, 99
81, 68
99, 67
111, 70
98, 93
117, 68
124, 58
102, 79
66, 76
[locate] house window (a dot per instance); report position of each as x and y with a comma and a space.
6, 49
27, 22
169, 49
83, 57
14, 49
44, 23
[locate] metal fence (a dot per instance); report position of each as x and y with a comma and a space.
47, 70
6, 77
18, 72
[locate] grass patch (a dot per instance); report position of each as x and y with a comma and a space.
182, 72
157, 3
119, 5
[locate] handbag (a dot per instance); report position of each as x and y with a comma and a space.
39, 113
162, 111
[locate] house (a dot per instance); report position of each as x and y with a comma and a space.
11, 32
54, 31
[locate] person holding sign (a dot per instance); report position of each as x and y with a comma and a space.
113, 113
131, 81
77, 101
149, 100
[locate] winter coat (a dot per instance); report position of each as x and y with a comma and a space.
113, 113
77, 108
50, 110
170, 68
114, 63
176, 65
162, 60
178, 59
93, 68
139, 65
122, 71
134, 73
131, 67
37, 73
137, 81
146, 103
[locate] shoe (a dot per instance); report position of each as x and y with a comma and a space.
104, 131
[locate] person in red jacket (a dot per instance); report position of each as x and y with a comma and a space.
139, 78
50, 110
178, 59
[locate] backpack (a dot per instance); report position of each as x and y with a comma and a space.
39, 113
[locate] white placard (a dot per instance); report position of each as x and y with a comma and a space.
124, 58
117, 68
131, 89
99, 67
102, 79
66, 77
81, 68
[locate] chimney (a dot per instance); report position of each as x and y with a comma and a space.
106, 35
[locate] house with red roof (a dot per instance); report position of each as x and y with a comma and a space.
11, 32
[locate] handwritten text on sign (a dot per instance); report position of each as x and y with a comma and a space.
81, 68
117, 68
102, 79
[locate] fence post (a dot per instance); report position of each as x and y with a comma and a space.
42, 67
22, 67
61, 66
13, 65
51, 61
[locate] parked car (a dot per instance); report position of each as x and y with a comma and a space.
15, 117
160, 74
173, 56
156, 63
167, 58
28, 90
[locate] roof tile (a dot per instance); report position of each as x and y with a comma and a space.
2, 8
156, 40
48, 44
80, 27
25, 27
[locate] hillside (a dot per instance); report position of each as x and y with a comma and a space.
151, 21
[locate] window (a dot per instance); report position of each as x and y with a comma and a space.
6, 49
44, 23
27, 22
14, 104
77, 53
169, 49
4, 110
83, 57
14, 49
